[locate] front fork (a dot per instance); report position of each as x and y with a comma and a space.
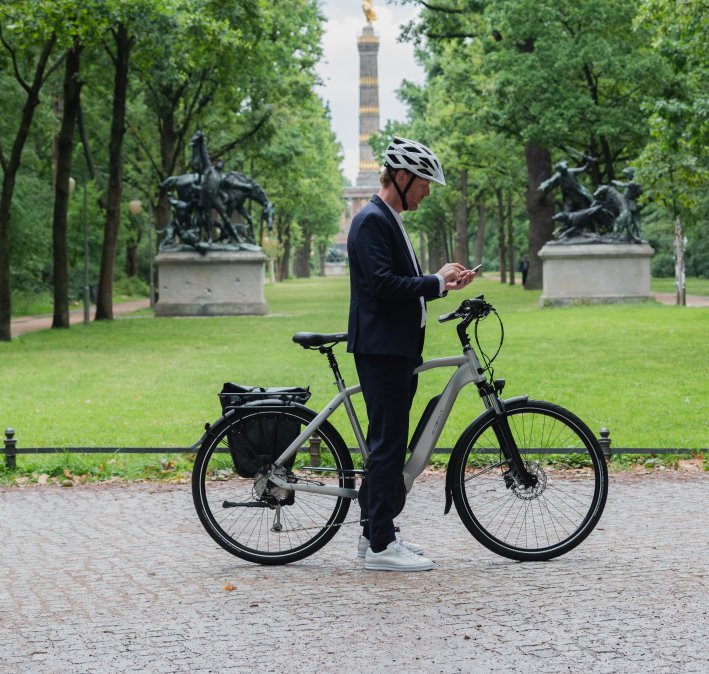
516, 474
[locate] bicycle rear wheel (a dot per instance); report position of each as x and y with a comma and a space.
243, 511
542, 521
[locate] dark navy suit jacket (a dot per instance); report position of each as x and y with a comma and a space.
385, 286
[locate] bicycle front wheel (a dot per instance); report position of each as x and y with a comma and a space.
253, 518
544, 520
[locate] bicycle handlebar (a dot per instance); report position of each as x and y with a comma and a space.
475, 307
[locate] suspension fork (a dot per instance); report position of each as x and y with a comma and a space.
503, 432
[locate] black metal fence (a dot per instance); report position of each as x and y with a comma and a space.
11, 450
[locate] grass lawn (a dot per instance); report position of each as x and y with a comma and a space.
639, 370
693, 286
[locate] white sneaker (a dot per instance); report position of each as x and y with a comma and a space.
396, 557
363, 544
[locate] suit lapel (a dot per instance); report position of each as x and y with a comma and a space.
416, 267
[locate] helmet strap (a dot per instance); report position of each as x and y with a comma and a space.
400, 192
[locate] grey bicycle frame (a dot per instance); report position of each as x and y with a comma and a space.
468, 370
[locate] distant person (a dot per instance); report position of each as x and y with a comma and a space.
523, 267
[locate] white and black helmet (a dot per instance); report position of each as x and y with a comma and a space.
414, 157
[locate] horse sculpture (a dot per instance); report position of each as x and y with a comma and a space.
237, 188
208, 188
607, 218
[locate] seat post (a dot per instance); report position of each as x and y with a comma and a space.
332, 362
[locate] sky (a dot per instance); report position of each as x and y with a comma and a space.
340, 68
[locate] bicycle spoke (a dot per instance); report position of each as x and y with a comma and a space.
548, 516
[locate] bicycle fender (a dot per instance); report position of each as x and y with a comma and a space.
463, 440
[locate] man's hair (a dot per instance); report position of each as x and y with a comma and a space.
384, 178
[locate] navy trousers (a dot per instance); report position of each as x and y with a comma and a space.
388, 386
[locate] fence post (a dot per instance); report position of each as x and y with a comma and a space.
314, 450
10, 445
605, 442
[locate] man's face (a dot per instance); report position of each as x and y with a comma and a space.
417, 192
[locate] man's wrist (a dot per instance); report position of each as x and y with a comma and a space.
441, 285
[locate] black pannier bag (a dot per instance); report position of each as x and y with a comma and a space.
258, 440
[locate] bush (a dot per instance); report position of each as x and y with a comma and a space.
698, 256
130, 286
663, 265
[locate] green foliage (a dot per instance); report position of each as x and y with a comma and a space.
68, 469
131, 286
244, 72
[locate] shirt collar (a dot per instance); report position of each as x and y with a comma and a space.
396, 214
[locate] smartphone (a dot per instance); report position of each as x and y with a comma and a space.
474, 270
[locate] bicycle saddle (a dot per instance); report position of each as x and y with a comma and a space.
309, 340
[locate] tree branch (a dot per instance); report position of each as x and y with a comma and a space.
225, 149
145, 150
451, 36
438, 8
15, 67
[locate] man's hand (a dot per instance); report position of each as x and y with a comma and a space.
456, 276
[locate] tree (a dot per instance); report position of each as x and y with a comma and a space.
70, 99
561, 76
29, 40
123, 42
674, 166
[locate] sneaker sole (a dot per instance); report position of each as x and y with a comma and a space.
386, 567
361, 554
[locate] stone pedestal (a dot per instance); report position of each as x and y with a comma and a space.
595, 273
335, 269
219, 283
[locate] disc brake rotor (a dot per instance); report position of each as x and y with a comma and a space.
530, 493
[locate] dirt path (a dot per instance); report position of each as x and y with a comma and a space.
692, 300
25, 324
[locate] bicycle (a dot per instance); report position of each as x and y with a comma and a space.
273, 480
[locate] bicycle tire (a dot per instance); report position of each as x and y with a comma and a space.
539, 522
252, 518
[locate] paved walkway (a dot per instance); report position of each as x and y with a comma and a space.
124, 579
25, 324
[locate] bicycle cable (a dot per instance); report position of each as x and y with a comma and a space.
487, 361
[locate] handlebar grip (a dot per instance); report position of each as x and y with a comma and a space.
448, 317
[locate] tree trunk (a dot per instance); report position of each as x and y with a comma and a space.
284, 240
480, 234
540, 209
679, 263
10, 169
461, 222
322, 257
132, 259
436, 251
168, 155
104, 303
510, 238
302, 255
423, 255
501, 247
72, 91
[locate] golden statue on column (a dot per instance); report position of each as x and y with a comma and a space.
369, 11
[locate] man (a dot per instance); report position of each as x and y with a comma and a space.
386, 334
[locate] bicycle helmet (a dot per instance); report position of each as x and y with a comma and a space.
414, 157
408, 155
